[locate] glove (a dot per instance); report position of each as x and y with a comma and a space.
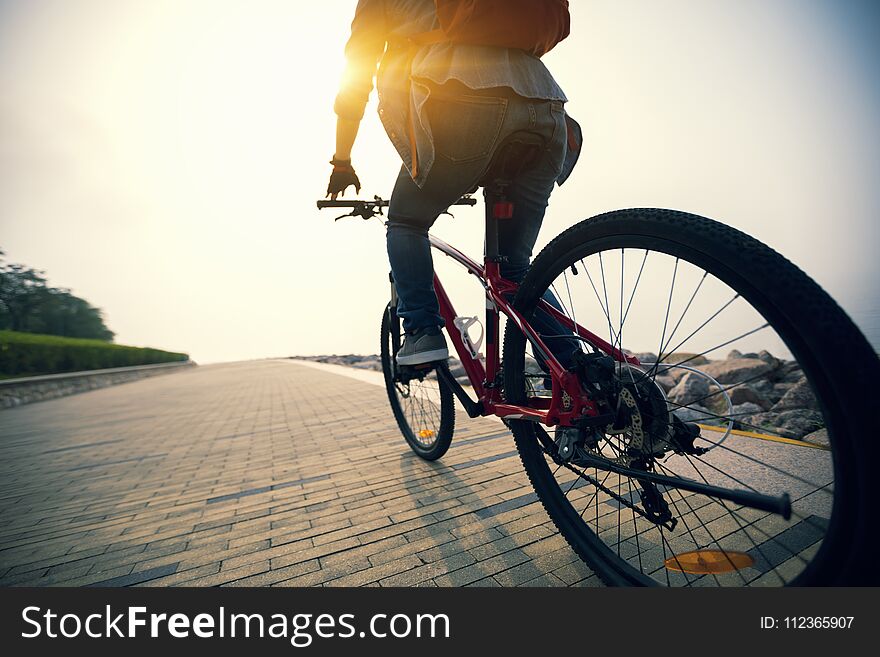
343, 175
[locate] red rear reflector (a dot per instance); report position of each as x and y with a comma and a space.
502, 210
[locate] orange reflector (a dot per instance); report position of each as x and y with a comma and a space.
702, 562
426, 433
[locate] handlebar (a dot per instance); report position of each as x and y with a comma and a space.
369, 209
381, 203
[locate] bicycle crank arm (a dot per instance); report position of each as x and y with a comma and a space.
780, 505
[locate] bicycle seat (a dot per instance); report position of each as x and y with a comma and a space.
516, 153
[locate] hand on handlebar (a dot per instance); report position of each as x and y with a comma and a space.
342, 176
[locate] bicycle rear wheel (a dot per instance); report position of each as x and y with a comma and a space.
784, 414
422, 405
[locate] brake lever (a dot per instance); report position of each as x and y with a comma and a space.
343, 216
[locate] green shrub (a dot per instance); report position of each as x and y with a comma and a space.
31, 354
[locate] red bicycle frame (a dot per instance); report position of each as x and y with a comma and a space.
568, 401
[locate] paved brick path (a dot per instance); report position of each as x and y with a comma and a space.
262, 473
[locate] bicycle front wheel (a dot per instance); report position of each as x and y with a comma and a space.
751, 379
422, 405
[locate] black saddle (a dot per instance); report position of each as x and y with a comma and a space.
518, 152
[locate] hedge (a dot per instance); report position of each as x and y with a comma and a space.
32, 354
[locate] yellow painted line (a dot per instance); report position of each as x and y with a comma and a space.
764, 436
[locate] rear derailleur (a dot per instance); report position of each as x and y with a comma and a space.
655, 506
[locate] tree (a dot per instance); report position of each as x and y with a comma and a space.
28, 304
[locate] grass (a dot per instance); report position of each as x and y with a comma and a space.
33, 354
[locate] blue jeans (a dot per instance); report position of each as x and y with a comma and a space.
466, 130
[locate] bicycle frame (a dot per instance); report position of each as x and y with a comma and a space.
568, 401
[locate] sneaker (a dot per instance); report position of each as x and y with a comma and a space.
423, 346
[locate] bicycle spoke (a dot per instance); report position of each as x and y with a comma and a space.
709, 351
738, 520
683, 313
666, 316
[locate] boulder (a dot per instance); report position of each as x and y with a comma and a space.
680, 356
665, 382
768, 358
800, 423
747, 394
789, 372
531, 366
694, 414
819, 437
759, 421
368, 363
674, 373
744, 410
737, 369
734, 353
690, 387
789, 424
762, 386
800, 395
779, 390
457, 371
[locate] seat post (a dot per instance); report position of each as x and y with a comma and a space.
519, 151
491, 251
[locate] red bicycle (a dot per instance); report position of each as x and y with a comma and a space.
673, 467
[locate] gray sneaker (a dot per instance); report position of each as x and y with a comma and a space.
423, 346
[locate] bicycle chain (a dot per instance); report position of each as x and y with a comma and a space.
603, 488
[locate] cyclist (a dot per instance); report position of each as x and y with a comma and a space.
446, 107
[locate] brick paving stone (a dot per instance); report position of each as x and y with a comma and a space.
264, 473
547, 579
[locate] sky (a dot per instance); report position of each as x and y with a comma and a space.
162, 158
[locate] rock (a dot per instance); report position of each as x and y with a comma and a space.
789, 372
750, 354
690, 387
665, 382
819, 437
674, 373
747, 394
680, 356
368, 363
800, 423
745, 409
800, 395
768, 358
789, 424
531, 366
782, 388
457, 371
646, 357
737, 369
693, 414
762, 387
741, 412
767, 421
734, 353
